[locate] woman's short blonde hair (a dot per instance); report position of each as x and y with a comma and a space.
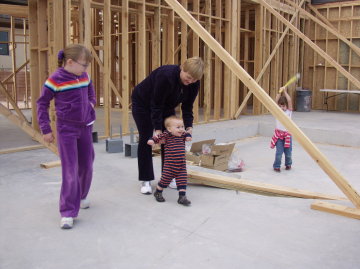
194, 66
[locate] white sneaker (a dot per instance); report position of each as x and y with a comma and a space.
66, 223
146, 187
173, 184
84, 204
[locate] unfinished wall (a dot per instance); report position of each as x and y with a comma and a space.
318, 73
130, 38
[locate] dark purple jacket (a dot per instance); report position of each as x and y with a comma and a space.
73, 95
162, 91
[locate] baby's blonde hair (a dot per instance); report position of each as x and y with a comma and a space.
169, 120
194, 66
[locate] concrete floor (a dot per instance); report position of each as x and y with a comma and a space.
223, 228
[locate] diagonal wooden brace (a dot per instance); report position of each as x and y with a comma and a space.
27, 128
266, 100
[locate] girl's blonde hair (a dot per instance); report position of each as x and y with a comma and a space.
169, 120
73, 52
194, 66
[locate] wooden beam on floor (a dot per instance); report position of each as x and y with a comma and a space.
269, 103
27, 128
48, 165
225, 182
336, 209
20, 149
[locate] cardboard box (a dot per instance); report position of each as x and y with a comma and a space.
218, 158
196, 150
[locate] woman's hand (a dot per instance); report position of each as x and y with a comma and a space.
150, 142
189, 130
48, 137
188, 138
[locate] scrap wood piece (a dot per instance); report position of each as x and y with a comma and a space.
244, 184
50, 164
337, 209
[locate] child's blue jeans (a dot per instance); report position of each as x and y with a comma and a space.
280, 149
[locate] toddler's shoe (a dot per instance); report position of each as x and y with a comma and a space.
183, 201
159, 197
277, 170
146, 187
84, 204
172, 184
288, 167
66, 223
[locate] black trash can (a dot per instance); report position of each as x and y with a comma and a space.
303, 100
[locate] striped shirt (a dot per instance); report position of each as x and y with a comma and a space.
174, 148
279, 134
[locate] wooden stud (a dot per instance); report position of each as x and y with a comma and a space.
170, 47
227, 45
195, 52
156, 37
141, 44
34, 64
25, 33
107, 65
125, 65
207, 61
184, 36
13, 59
217, 65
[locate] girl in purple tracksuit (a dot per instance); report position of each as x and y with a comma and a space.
74, 95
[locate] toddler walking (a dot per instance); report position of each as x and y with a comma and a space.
74, 95
282, 139
174, 138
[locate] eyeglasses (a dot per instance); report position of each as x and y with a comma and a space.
83, 65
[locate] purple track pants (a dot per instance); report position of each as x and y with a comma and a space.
77, 157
